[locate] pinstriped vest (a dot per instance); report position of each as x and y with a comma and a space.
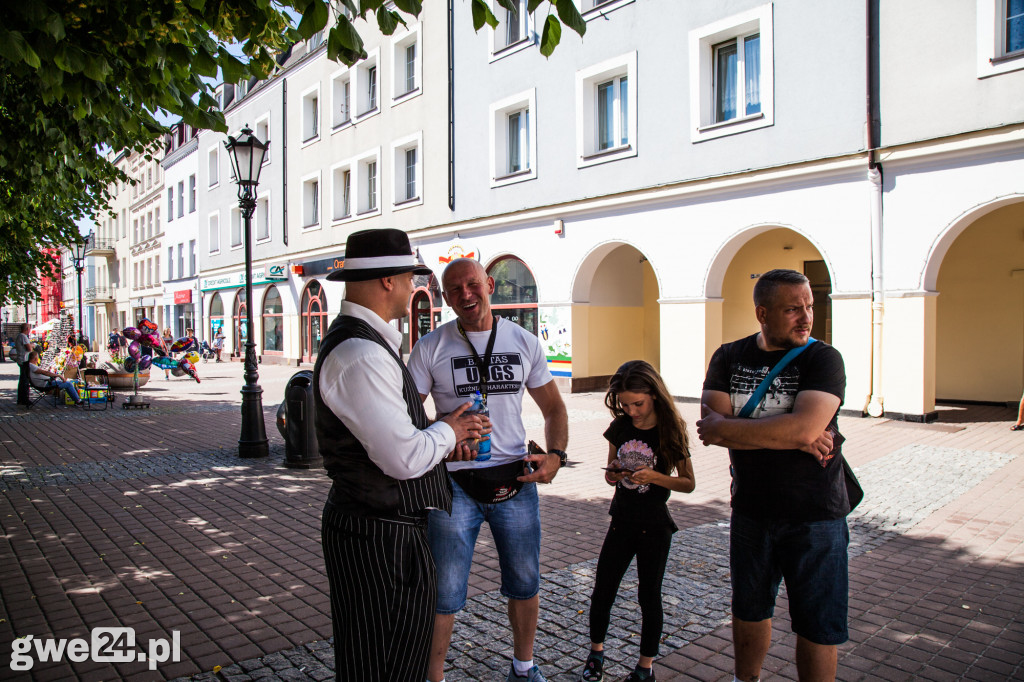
360, 487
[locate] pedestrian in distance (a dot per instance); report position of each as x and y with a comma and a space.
218, 342
648, 459
386, 462
22, 347
167, 339
1019, 424
480, 352
789, 494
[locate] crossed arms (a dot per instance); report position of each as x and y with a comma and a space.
802, 429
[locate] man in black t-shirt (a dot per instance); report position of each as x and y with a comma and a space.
789, 497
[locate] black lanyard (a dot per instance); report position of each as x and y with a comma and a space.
485, 364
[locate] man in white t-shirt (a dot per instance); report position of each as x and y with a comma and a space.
446, 364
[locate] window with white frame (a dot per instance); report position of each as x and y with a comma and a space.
406, 61
732, 75
365, 88
170, 204
311, 201
192, 193
341, 178
367, 186
311, 115
263, 134
213, 166
170, 262
214, 232
181, 200
513, 138
407, 163
263, 218
156, 270
191, 257
606, 111
236, 228
596, 8
1000, 36
341, 96
181, 260
514, 29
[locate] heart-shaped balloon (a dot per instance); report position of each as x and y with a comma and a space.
135, 349
147, 326
131, 333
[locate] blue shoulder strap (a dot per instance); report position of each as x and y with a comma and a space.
758, 395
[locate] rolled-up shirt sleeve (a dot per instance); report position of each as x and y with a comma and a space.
362, 385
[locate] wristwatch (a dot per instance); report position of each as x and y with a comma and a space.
562, 456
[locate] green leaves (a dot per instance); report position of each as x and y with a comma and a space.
570, 16
314, 18
388, 21
482, 14
550, 35
344, 43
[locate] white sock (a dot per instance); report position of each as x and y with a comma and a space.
522, 668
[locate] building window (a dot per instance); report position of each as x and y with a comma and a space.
371, 186
341, 92
591, 9
311, 115
181, 261
314, 320
181, 200
273, 324
514, 31
513, 139
192, 193
515, 292
236, 228
213, 166
263, 133
216, 315
263, 218
342, 192
156, 270
407, 156
1000, 36
366, 84
406, 60
214, 231
170, 204
192, 258
311, 201
240, 315
170, 262
606, 106
731, 72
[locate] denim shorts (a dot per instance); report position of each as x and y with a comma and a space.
515, 526
811, 556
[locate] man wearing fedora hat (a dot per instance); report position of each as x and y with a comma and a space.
386, 463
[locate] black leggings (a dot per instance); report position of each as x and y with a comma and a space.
650, 545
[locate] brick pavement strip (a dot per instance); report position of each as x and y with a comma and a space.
149, 519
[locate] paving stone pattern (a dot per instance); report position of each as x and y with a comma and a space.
902, 488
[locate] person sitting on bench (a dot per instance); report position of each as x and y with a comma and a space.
44, 379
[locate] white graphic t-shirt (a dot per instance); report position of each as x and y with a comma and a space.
442, 365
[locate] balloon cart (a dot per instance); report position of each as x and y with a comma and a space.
146, 350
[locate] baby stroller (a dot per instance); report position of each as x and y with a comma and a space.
206, 352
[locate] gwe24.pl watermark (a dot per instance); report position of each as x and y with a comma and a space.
105, 645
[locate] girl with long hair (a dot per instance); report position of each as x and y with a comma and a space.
648, 458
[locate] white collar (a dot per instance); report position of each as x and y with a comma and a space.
379, 324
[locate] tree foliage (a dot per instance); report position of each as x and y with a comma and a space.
81, 76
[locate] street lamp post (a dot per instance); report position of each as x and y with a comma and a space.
78, 256
246, 153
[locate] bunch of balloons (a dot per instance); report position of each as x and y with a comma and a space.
145, 344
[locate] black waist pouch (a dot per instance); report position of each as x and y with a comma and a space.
491, 485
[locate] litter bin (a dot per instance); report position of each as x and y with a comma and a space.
296, 422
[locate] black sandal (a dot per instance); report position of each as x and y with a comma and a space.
593, 669
1017, 427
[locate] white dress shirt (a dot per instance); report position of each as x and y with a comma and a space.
362, 385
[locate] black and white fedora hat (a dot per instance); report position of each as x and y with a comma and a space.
370, 254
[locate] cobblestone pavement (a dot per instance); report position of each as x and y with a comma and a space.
148, 519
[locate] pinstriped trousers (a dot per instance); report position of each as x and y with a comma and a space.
383, 593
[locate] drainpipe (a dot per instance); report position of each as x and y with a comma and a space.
875, 406
451, 105
284, 160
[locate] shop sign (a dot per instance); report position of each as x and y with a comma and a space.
324, 266
262, 275
458, 248
181, 297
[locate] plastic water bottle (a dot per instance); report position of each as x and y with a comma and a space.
482, 446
